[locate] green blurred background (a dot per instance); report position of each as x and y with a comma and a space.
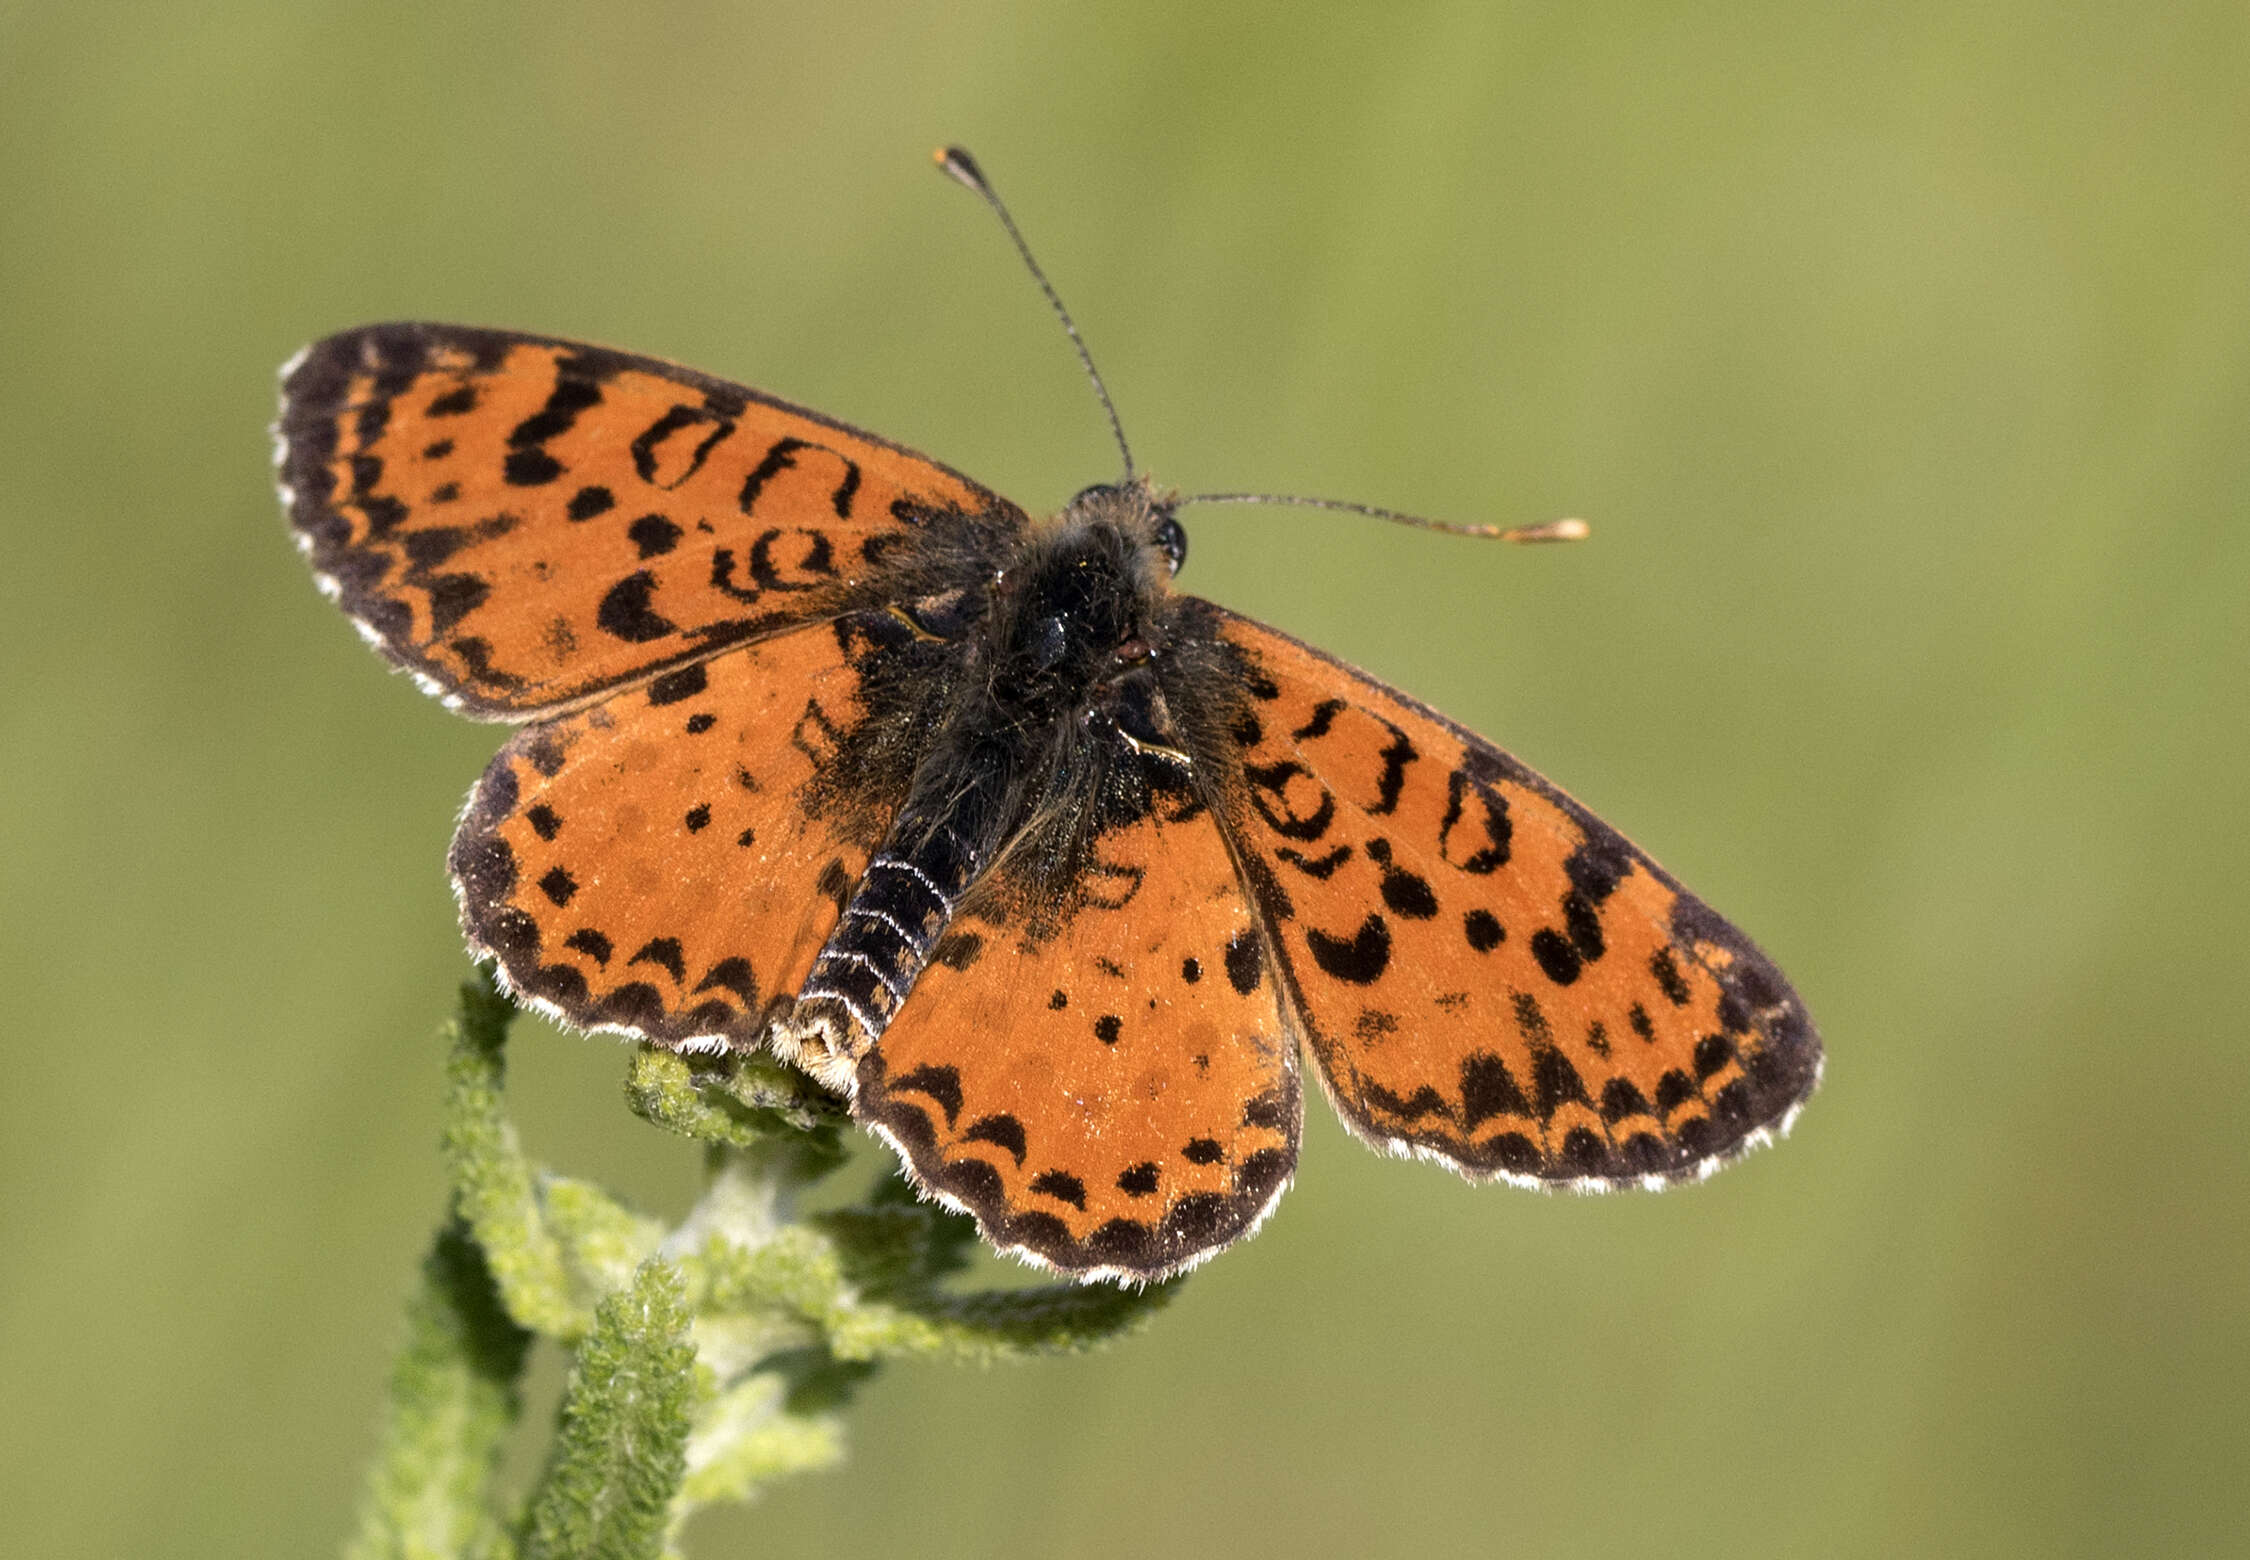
1901, 356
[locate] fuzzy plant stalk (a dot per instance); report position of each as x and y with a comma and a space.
709, 1358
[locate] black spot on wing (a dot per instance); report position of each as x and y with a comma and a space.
1668, 981
1483, 930
1407, 893
1323, 719
1514, 1153
1424, 1101
625, 612
1245, 962
636, 1005
1060, 1185
531, 468
1599, 863
1488, 1089
1555, 955
1269, 794
673, 687
779, 457
653, 535
1358, 959
665, 954
732, 974
453, 597
1712, 1053
1621, 1099
571, 396
1584, 925
1458, 842
543, 753
1531, 1021
942, 1084
1399, 753
590, 943
1003, 1131
1318, 868
1554, 1082
1583, 1153
426, 550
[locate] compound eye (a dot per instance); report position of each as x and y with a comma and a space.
1173, 540
1098, 490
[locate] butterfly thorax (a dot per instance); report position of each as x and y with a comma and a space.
1077, 610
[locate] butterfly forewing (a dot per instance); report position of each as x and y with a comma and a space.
1484, 971
1109, 1088
526, 523
667, 862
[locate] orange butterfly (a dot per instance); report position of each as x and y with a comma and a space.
1053, 870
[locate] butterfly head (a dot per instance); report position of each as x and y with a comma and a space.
1088, 599
1140, 512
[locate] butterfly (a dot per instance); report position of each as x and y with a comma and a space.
1061, 875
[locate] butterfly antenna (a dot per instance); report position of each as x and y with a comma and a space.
957, 164
1548, 531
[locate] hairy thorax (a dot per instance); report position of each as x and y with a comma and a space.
1055, 729
1064, 701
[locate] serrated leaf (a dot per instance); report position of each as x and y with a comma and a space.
621, 1451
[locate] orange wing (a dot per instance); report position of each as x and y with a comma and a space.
526, 523
667, 863
1485, 972
1113, 1095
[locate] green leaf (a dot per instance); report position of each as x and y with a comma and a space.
601, 1241
453, 1397
895, 1256
621, 1451
739, 1102
866, 1278
1001, 1324
756, 1432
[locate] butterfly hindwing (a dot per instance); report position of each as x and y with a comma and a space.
1108, 1087
667, 862
1484, 972
525, 523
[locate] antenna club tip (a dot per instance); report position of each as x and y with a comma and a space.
956, 163
1572, 530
